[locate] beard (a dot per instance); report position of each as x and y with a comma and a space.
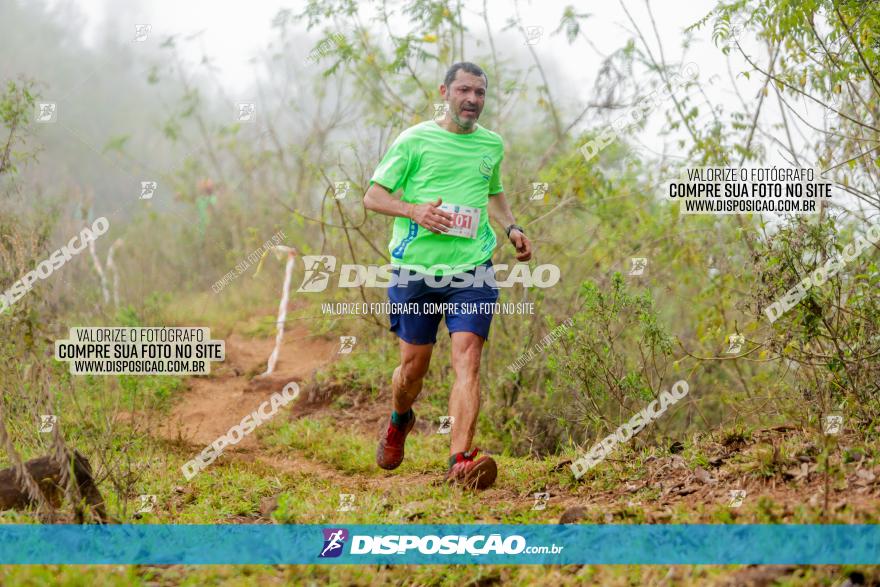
466, 121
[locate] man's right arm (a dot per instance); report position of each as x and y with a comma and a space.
429, 216
379, 199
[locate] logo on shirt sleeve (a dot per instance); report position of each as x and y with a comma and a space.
486, 165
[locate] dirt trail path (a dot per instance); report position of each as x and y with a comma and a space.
212, 405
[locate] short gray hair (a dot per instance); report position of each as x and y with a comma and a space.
466, 66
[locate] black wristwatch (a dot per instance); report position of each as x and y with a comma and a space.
511, 227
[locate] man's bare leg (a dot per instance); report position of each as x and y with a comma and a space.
406, 381
464, 406
464, 401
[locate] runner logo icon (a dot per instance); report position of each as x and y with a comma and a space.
334, 541
318, 271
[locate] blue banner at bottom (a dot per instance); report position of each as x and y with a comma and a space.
440, 544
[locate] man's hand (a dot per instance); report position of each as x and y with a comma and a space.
523, 245
499, 210
429, 216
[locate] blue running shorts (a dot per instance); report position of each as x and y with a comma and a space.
418, 305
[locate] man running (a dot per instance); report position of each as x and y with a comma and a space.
449, 171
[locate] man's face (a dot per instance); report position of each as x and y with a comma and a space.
466, 96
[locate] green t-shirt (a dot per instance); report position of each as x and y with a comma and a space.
426, 162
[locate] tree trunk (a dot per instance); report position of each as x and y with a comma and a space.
47, 474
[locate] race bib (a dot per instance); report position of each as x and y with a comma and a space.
465, 220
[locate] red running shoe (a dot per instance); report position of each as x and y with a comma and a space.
389, 453
470, 473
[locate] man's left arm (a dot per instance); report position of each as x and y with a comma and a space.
499, 211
